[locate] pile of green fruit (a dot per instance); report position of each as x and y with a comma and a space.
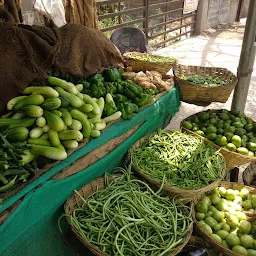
223, 215
151, 58
207, 80
229, 129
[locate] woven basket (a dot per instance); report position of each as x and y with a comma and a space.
192, 92
249, 175
143, 65
185, 194
204, 235
87, 191
232, 159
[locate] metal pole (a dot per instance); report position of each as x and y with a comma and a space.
246, 62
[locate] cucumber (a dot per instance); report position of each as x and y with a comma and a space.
70, 144
13, 101
45, 136
46, 128
78, 115
64, 102
57, 112
54, 139
49, 152
54, 121
13, 123
47, 91
89, 100
17, 134
69, 87
71, 135
113, 117
51, 103
86, 108
73, 99
101, 103
18, 115
76, 125
36, 132
80, 95
95, 133
32, 110
29, 100
66, 116
39, 142
100, 126
40, 121
79, 87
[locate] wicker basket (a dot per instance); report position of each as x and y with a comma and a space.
87, 191
249, 175
232, 159
143, 65
185, 194
192, 92
204, 235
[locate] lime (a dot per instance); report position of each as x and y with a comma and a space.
246, 241
218, 226
226, 125
202, 207
237, 119
220, 131
195, 128
232, 221
209, 214
231, 147
229, 136
249, 135
244, 192
222, 234
211, 129
206, 199
251, 252
253, 139
233, 240
230, 129
200, 216
221, 141
243, 143
224, 116
240, 250
203, 116
225, 227
216, 238
251, 146
241, 115
219, 124
245, 138
211, 136
213, 120
245, 226
230, 194
195, 119
248, 127
242, 150
247, 204
210, 221
225, 244
243, 121
215, 199
218, 215
206, 228
236, 140
238, 125
240, 132
222, 191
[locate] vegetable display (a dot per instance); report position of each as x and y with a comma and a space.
206, 81
129, 218
229, 129
225, 215
184, 160
152, 58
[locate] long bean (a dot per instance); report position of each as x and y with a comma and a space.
184, 160
128, 218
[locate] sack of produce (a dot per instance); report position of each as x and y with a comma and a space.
204, 84
225, 217
231, 131
188, 165
121, 215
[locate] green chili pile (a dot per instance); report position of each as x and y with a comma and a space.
128, 218
185, 160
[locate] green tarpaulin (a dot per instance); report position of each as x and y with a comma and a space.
31, 230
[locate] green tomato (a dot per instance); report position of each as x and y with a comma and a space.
245, 226
202, 207
215, 199
240, 250
246, 241
200, 216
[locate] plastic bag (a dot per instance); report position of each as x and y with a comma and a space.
52, 9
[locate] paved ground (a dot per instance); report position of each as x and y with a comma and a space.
218, 47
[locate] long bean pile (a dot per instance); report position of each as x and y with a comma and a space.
128, 218
185, 160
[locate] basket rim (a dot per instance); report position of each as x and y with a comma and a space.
139, 170
130, 55
96, 249
196, 222
253, 159
177, 75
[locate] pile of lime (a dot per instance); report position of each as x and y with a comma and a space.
230, 129
221, 214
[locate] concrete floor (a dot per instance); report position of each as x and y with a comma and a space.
216, 47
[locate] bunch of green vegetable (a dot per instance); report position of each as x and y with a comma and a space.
185, 160
229, 129
17, 165
152, 58
129, 218
126, 94
205, 80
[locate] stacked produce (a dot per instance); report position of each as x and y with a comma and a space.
224, 215
184, 160
129, 218
229, 129
206, 81
16, 162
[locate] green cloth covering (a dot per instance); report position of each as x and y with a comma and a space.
31, 230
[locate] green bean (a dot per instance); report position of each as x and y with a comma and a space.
129, 218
